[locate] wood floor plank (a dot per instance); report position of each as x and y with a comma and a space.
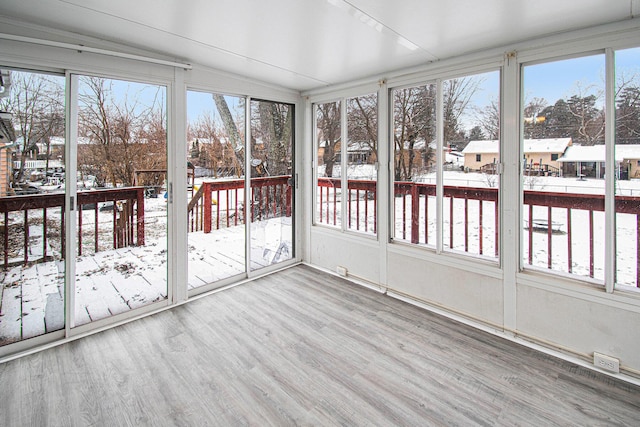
301, 347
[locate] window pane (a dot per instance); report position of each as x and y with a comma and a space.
215, 187
563, 215
628, 164
122, 200
362, 157
328, 134
271, 191
414, 121
470, 162
32, 122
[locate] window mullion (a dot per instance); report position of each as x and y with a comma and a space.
610, 168
439, 163
344, 182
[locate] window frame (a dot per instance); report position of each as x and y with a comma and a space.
342, 97
438, 79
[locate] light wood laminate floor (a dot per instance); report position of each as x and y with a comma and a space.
301, 347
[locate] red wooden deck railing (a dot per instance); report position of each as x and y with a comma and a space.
585, 202
219, 204
128, 222
408, 224
360, 193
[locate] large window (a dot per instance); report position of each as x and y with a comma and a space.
471, 164
328, 206
346, 174
414, 141
362, 161
121, 191
563, 225
215, 187
32, 185
271, 209
627, 155
237, 221
468, 170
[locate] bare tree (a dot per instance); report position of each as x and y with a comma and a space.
37, 106
489, 120
534, 118
329, 134
627, 107
362, 123
233, 134
414, 121
456, 97
588, 119
271, 133
123, 136
210, 148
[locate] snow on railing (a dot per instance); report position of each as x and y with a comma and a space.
220, 204
127, 225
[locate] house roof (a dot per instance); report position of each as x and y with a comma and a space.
6, 127
597, 153
548, 145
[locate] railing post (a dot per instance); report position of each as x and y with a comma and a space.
140, 216
44, 233
79, 206
415, 213
26, 236
637, 250
207, 207
288, 200
6, 240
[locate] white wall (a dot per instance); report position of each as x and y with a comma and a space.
570, 317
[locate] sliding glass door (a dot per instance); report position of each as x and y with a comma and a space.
32, 123
271, 177
237, 222
116, 179
215, 187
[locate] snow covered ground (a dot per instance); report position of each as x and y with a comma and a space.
114, 281
626, 224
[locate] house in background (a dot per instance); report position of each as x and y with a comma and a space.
540, 155
7, 136
589, 161
7, 142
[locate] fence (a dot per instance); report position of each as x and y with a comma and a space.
219, 204
128, 221
412, 215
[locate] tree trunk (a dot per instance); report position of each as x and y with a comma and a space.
231, 128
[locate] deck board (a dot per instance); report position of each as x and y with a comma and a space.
301, 347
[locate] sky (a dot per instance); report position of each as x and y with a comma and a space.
199, 103
551, 81
560, 79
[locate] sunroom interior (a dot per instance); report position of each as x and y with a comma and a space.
479, 160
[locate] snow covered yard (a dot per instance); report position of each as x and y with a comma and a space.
463, 233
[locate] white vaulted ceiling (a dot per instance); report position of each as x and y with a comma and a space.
306, 44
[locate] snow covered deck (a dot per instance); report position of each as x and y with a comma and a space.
115, 281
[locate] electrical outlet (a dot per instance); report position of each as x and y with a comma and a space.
342, 271
607, 363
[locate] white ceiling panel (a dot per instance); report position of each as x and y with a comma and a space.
305, 44
461, 26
